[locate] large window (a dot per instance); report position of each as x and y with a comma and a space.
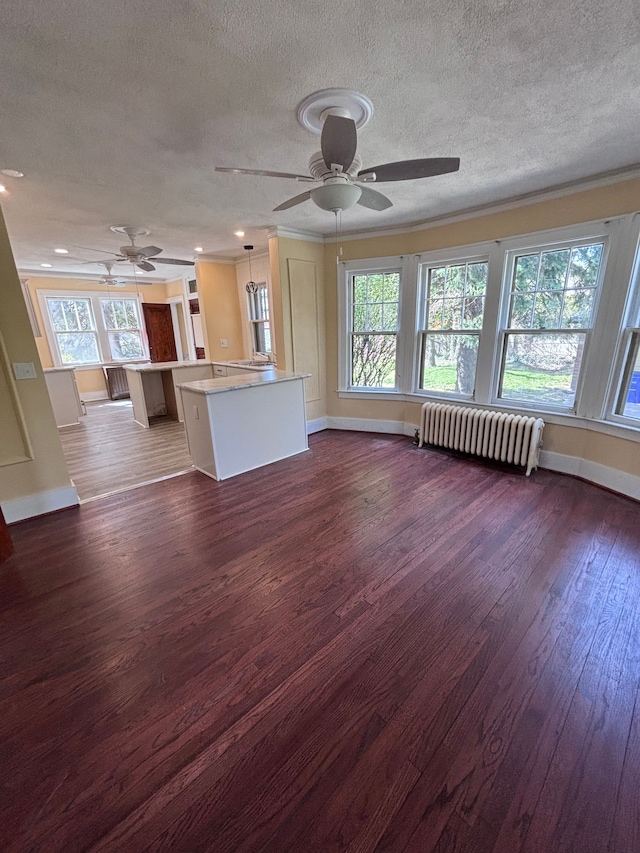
374, 314
629, 397
259, 319
453, 309
122, 322
89, 329
74, 327
627, 403
551, 305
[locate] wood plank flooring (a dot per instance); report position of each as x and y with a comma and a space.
107, 451
367, 647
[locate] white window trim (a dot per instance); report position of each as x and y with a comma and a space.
604, 354
100, 330
252, 322
347, 269
480, 254
630, 322
510, 253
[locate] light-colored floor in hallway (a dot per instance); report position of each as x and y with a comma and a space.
107, 451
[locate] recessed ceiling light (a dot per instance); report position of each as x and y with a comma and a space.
61, 251
45, 265
199, 249
239, 233
12, 173
3, 189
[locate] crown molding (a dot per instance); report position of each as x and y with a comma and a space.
95, 277
568, 188
214, 259
294, 234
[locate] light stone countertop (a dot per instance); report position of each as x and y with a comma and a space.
150, 367
234, 383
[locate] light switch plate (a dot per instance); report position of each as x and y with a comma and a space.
224, 342
24, 370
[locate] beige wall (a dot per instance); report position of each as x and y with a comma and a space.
90, 380
614, 200
220, 310
31, 460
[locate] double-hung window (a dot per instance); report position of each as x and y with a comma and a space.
374, 320
627, 405
122, 324
74, 330
259, 319
452, 314
89, 329
551, 303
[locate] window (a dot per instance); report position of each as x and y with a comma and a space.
74, 328
374, 311
89, 329
122, 322
453, 309
552, 298
627, 405
259, 319
629, 396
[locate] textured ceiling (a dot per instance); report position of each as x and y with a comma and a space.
117, 112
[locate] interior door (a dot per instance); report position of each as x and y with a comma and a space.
159, 325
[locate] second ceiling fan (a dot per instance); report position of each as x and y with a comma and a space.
139, 256
339, 168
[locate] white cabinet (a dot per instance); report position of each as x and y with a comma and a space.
64, 396
241, 423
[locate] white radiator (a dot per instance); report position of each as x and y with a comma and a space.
494, 435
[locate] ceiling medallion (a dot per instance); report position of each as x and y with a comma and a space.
311, 111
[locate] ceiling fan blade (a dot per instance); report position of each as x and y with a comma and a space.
374, 200
102, 252
172, 261
149, 251
264, 173
297, 199
410, 170
339, 141
145, 265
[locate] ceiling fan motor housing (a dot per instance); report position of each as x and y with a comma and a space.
319, 170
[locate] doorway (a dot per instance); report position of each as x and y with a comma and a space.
160, 332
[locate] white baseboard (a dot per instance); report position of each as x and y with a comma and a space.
601, 475
43, 502
594, 472
367, 425
316, 425
91, 396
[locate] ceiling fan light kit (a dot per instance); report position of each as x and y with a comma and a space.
336, 194
337, 114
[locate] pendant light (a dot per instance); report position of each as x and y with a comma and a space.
251, 286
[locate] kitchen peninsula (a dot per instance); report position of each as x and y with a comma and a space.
237, 423
153, 385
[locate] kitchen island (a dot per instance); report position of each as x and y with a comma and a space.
237, 423
152, 386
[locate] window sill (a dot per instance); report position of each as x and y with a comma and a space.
371, 394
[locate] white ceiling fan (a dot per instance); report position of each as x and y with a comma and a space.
113, 280
138, 256
338, 166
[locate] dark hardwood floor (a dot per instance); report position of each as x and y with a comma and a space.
368, 647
